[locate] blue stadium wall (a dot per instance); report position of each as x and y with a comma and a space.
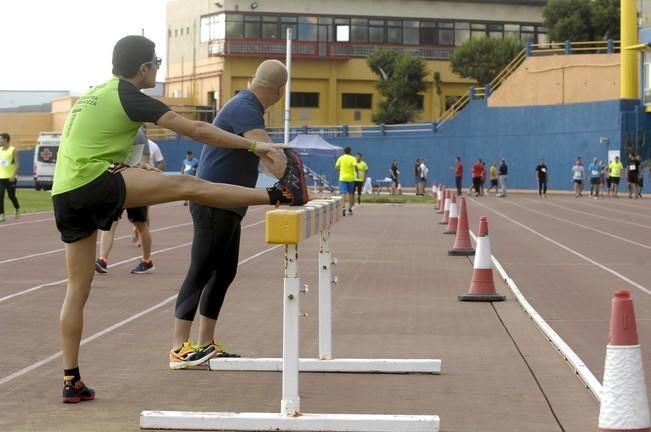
521, 135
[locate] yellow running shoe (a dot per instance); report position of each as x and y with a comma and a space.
190, 355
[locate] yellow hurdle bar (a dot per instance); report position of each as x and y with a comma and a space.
293, 225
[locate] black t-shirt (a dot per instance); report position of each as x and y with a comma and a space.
542, 172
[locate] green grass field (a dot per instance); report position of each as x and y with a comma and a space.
30, 201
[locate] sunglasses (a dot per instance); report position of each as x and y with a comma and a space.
157, 61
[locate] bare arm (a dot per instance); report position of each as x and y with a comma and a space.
211, 135
274, 161
17, 162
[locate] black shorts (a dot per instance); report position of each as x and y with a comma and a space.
493, 182
96, 205
614, 180
632, 178
579, 182
137, 214
595, 180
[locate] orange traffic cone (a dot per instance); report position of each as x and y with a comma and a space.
462, 245
441, 199
454, 215
446, 209
482, 287
624, 404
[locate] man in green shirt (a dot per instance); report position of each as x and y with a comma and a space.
92, 185
346, 167
360, 176
615, 171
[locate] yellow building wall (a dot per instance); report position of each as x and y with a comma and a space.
562, 79
25, 127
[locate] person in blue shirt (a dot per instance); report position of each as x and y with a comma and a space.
189, 167
594, 169
216, 241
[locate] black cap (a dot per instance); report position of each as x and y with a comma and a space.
130, 53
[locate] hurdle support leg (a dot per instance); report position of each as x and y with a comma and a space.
290, 403
325, 297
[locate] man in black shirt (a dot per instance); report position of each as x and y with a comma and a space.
541, 175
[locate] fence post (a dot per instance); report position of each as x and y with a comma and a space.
528, 49
487, 90
568, 47
435, 127
382, 129
472, 92
611, 46
304, 129
344, 130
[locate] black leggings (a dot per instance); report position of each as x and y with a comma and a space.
11, 191
358, 189
542, 187
213, 265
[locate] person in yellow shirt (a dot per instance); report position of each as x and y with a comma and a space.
346, 167
360, 177
9, 165
493, 175
615, 170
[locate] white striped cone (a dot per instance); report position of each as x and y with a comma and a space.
446, 209
453, 222
482, 287
624, 403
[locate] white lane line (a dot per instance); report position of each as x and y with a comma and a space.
115, 326
575, 362
582, 226
568, 249
38, 287
53, 251
597, 216
596, 205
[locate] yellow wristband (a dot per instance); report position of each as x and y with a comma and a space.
253, 144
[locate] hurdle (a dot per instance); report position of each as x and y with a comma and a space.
290, 227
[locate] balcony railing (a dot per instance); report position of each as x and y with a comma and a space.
342, 50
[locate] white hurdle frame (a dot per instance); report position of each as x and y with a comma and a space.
326, 361
290, 417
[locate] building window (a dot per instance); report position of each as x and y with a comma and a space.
356, 100
212, 28
359, 30
496, 31
376, 31
252, 27
394, 32
342, 30
234, 26
269, 27
461, 33
543, 37
511, 31
527, 34
410, 30
304, 100
446, 34
428, 33
288, 23
478, 31
307, 28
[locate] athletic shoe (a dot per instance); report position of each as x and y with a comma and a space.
17, 214
191, 355
143, 267
101, 266
350, 212
219, 351
290, 189
76, 392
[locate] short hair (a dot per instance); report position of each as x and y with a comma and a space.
5, 136
359, 154
347, 150
189, 152
129, 53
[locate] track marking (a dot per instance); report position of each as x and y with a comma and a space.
583, 226
600, 217
629, 213
38, 287
568, 249
115, 326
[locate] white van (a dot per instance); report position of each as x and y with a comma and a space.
45, 157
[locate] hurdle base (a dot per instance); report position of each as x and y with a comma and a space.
388, 366
229, 421
482, 297
450, 232
461, 252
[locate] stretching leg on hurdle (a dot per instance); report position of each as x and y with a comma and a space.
216, 240
92, 185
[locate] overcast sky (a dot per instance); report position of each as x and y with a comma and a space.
67, 44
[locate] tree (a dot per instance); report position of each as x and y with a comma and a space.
569, 20
605, 19
400, 81
482, 59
